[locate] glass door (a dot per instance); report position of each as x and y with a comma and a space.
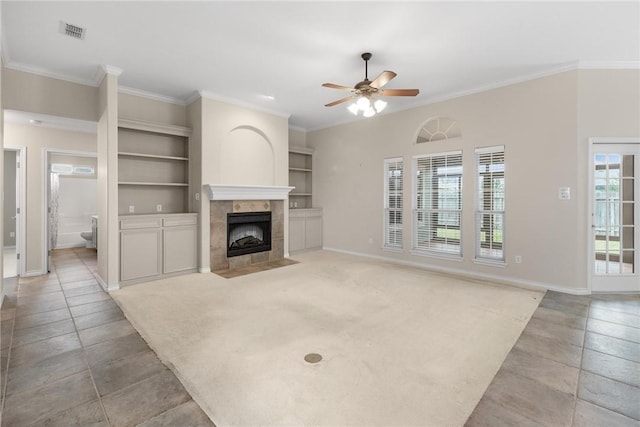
615, 217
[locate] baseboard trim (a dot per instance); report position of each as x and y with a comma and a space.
204, 270
32, 273
511, 281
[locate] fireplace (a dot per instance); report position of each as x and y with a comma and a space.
248, 233
245, 199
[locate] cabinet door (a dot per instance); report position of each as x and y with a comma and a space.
179, 249
313, 232
140, 253
296, 233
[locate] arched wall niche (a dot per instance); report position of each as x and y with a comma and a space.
438, 128
247, 157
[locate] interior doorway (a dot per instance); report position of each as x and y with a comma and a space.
13, 214
615, 215
71, 200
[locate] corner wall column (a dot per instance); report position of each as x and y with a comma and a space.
108, 239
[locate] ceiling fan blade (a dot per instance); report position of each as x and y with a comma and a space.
335, 86
340, 101
384, 78
399, 92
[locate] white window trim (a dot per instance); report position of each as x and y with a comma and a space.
385, 204
414, 209
494, 262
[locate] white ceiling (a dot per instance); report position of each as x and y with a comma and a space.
245, 51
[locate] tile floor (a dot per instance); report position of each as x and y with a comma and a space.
577, 363
69, 357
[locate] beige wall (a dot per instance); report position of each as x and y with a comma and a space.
149, 110
537, 122
608, 106
297, 138
36, 139
1, 175
107, 147
264, 141
24, 91
194, 121
9, 199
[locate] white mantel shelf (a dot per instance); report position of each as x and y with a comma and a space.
247, 192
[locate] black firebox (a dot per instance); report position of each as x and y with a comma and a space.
248, 232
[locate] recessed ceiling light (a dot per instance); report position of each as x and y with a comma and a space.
35, 122
268, 97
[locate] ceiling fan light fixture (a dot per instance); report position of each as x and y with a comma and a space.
380, 105
369, 112
363, 103
353, 108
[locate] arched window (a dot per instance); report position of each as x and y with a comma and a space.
437, 129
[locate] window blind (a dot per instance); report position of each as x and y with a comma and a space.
438, 203
490, 203
393, 187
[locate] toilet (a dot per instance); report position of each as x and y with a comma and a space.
88, 236
91, 237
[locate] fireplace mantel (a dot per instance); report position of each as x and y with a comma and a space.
247, 192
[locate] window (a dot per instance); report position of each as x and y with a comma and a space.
393, 185
438, 203
490, 204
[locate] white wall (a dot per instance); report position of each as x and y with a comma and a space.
231, 137
36, 139
537, 122
77, 203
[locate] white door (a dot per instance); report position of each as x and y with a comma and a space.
615, 225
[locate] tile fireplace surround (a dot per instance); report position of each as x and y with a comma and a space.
226, 199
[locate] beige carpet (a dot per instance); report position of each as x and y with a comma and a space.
401, 346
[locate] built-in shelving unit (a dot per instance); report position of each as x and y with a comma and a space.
300, 177
153, 168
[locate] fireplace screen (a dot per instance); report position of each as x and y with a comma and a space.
248, 232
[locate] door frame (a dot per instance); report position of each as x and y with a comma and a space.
593, 142
21, 191
46, 193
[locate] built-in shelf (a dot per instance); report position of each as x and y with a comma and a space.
153, 168
161, 184
300, 177
152, 156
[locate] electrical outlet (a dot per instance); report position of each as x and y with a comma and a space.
132, 209
518, 259
371, 240
158, 208
197, 196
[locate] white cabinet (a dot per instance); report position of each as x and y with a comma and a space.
305, 229
155, 246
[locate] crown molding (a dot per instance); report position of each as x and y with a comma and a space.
237, 103
297, 128
151, 95
609, 65
52, 122
571, 66
47, 73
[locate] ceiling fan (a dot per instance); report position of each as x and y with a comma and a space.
366, 89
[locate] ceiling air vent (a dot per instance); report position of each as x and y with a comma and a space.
72, 30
